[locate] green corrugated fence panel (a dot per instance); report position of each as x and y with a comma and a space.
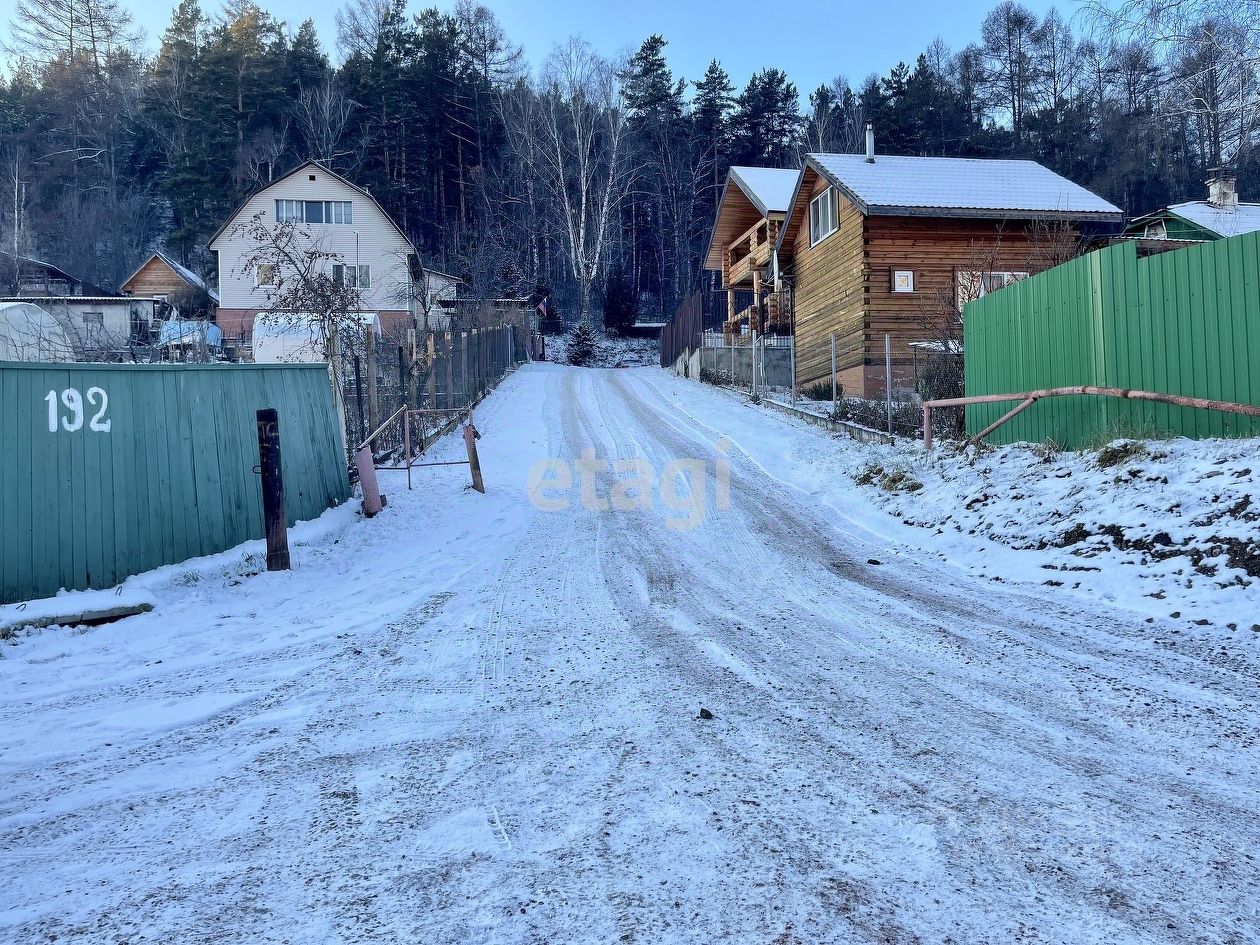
149, 464
1183, 322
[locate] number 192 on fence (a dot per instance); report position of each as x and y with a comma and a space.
72, 400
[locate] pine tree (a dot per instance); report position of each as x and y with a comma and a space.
651, 96
581, 344
710, 120
307, 63
767, 123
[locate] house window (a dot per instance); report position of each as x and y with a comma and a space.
352, 277
823, 216
313, 211
288, 211
976, 285
264, 274
94, 321
1157, 230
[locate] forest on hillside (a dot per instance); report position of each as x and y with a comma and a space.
588, 177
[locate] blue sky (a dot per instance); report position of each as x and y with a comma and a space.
812, 40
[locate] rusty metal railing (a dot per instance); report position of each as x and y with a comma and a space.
1028, 398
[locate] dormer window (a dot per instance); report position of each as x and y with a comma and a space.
823, 216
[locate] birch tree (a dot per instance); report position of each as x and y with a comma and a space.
582, 156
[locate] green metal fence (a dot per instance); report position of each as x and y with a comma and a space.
1182, 322
109, 469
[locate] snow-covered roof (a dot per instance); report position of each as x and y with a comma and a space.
770, 188
1232, 221
188, 275
979, 187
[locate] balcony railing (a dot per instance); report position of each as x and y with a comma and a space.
772, 314
751, 250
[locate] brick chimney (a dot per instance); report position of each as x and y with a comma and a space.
1222, 186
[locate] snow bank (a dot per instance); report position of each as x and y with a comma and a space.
226, 567
1169, 529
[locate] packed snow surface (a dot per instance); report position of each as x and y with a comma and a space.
476, 719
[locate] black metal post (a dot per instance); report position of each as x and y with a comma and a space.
274, 521
358, 398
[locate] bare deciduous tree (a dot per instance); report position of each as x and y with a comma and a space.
361, 22
295, 273
1211, 53
322, 114
87, 31
573, 129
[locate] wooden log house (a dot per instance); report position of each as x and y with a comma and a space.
741, 246
162, 278
886, 244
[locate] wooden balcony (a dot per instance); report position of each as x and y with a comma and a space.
750, 251
772, 315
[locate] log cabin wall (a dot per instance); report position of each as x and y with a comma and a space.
155, 278
845, 285
828, 292
935, 249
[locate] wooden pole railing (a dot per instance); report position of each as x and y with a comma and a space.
1029, 398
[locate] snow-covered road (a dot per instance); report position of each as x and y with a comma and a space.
474, 720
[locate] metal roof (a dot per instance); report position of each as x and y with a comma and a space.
1225, 221
770, 188
187, 275
297, 170
974, 187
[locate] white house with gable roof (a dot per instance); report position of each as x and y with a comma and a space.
370, 250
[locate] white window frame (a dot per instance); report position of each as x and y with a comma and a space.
331, 211
976, 284
361, 276
290, 211
826, 202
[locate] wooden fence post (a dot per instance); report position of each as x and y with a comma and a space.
450, 368
374, 406
274, 521
474, 464
430, 349
464, 341
358, 397
367, 480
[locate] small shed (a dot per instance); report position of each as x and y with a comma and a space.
163, 278
28, 333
